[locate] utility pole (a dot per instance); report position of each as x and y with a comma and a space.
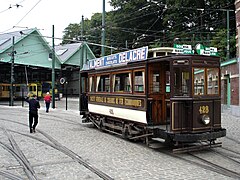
238, 31
103, 30
53, 69
228, 46
12, 72
81, 62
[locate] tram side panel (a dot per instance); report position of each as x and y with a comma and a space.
121, 107
180, 116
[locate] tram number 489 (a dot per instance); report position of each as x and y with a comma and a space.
203, 109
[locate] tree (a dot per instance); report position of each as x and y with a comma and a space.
220, 41
137, 23
71, 33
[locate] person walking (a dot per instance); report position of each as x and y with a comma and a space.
47, 100
34, 105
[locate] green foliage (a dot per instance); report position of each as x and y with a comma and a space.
71, 33
220, 41
136, 23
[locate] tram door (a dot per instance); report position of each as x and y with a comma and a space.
157, 86
83, 92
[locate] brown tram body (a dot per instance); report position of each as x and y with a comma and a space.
175, 98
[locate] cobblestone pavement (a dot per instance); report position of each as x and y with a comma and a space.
118, 158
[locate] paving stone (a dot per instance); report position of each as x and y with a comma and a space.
111, 154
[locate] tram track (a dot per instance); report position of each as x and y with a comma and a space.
50, 119
45, 116
228, 155
232, 139
231, 151
190, 159
18, 154
215, 167
10, 175
76, 157
206, 163
56, 145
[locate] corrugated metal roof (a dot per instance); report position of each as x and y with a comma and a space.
30, 46
18, 35
32, 49
64, 52
71, 53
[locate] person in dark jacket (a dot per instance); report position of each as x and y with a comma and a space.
34, 105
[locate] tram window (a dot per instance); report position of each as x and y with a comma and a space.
6, 88
103, 83
182, 82
122, 82
139, 81
156, 82
199, 81
40, 88
91, 84
212, 83
32, 88
167, 82
83, 84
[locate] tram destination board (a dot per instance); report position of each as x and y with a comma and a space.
139, 54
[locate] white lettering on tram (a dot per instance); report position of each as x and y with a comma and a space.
134, 55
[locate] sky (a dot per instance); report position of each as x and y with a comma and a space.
43, 14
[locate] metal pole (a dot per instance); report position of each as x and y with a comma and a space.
12, 72
103, 30
81, 63
238, 28
53, 69
228, 47
22, 97
66, 94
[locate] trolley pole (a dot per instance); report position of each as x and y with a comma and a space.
53, 69
12, 72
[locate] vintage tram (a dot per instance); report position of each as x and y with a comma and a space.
175, 98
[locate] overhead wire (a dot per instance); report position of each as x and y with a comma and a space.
194, 18
148, 30
6, 9
28, 12
76, 41
11, 6
172, 7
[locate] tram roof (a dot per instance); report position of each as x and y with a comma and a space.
184, 56
157, 59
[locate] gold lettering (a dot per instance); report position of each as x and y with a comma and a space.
204, 109
111, 100
133, 102
120, 101
99, 99
92, 98
207, 109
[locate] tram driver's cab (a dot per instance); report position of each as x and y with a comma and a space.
195, 96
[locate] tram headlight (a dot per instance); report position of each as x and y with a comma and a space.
205, 119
